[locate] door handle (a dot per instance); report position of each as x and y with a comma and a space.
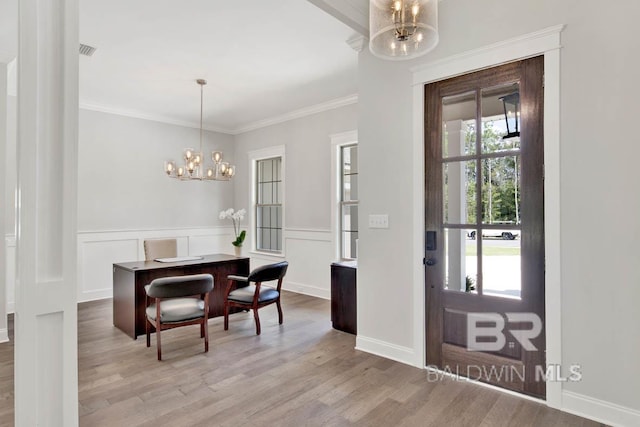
430, 261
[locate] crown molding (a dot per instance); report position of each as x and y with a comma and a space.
357, 42
296, 114
153, 117
353, 13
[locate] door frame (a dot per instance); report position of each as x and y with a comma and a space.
545, 42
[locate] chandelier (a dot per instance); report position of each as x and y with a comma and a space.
402, 29
194, 167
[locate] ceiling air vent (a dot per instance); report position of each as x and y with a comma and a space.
86, 50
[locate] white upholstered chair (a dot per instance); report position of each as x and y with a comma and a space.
160, 248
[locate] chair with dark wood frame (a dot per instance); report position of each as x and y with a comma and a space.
171, 302
252, 297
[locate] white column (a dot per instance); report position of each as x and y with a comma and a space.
3, 177
46, 374
457, 208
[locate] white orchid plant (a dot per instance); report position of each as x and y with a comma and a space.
236, 218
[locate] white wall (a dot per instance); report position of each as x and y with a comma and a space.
600, 285
307, 233
124, 196
121, 181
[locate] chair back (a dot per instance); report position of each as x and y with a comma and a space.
180, 286
160, 248
269, 272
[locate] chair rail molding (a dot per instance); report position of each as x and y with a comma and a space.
99, 250
309, 270
309, 252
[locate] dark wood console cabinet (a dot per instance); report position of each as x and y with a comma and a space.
130, 278
343, 296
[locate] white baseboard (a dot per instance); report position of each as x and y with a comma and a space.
313, 291
599, 410
387, 350
95, 295
4, 335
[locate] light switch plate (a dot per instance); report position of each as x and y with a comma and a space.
379, 221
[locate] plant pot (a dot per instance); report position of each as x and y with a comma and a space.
238, 250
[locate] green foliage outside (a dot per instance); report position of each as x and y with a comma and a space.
500, 198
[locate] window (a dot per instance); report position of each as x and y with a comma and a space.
349, 201
268, 207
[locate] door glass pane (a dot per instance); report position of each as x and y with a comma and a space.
459, 192
501, 190
501, 132
461, 260
501, 263
458, 125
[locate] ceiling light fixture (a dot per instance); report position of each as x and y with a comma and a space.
194, 168
402, 29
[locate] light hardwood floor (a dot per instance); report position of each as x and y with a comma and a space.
301, 373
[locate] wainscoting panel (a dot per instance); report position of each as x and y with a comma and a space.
97, 251
310, 255
211, 243
308, 251
96, 266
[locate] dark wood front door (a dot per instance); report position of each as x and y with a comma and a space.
484, 227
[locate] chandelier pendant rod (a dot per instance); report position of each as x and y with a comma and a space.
201, 83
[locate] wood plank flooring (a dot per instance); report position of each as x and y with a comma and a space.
301, 373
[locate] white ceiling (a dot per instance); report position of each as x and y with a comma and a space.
262, 58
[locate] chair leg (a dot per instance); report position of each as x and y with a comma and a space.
202, 330
255, 315
205, 328
226, 317
279, 311
158, 328
146, 329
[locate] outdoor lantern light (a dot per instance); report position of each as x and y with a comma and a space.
511, 105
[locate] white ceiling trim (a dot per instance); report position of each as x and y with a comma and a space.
153, 117
296, 114
354, 13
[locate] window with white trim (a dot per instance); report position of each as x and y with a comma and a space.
348, 201
268, 206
